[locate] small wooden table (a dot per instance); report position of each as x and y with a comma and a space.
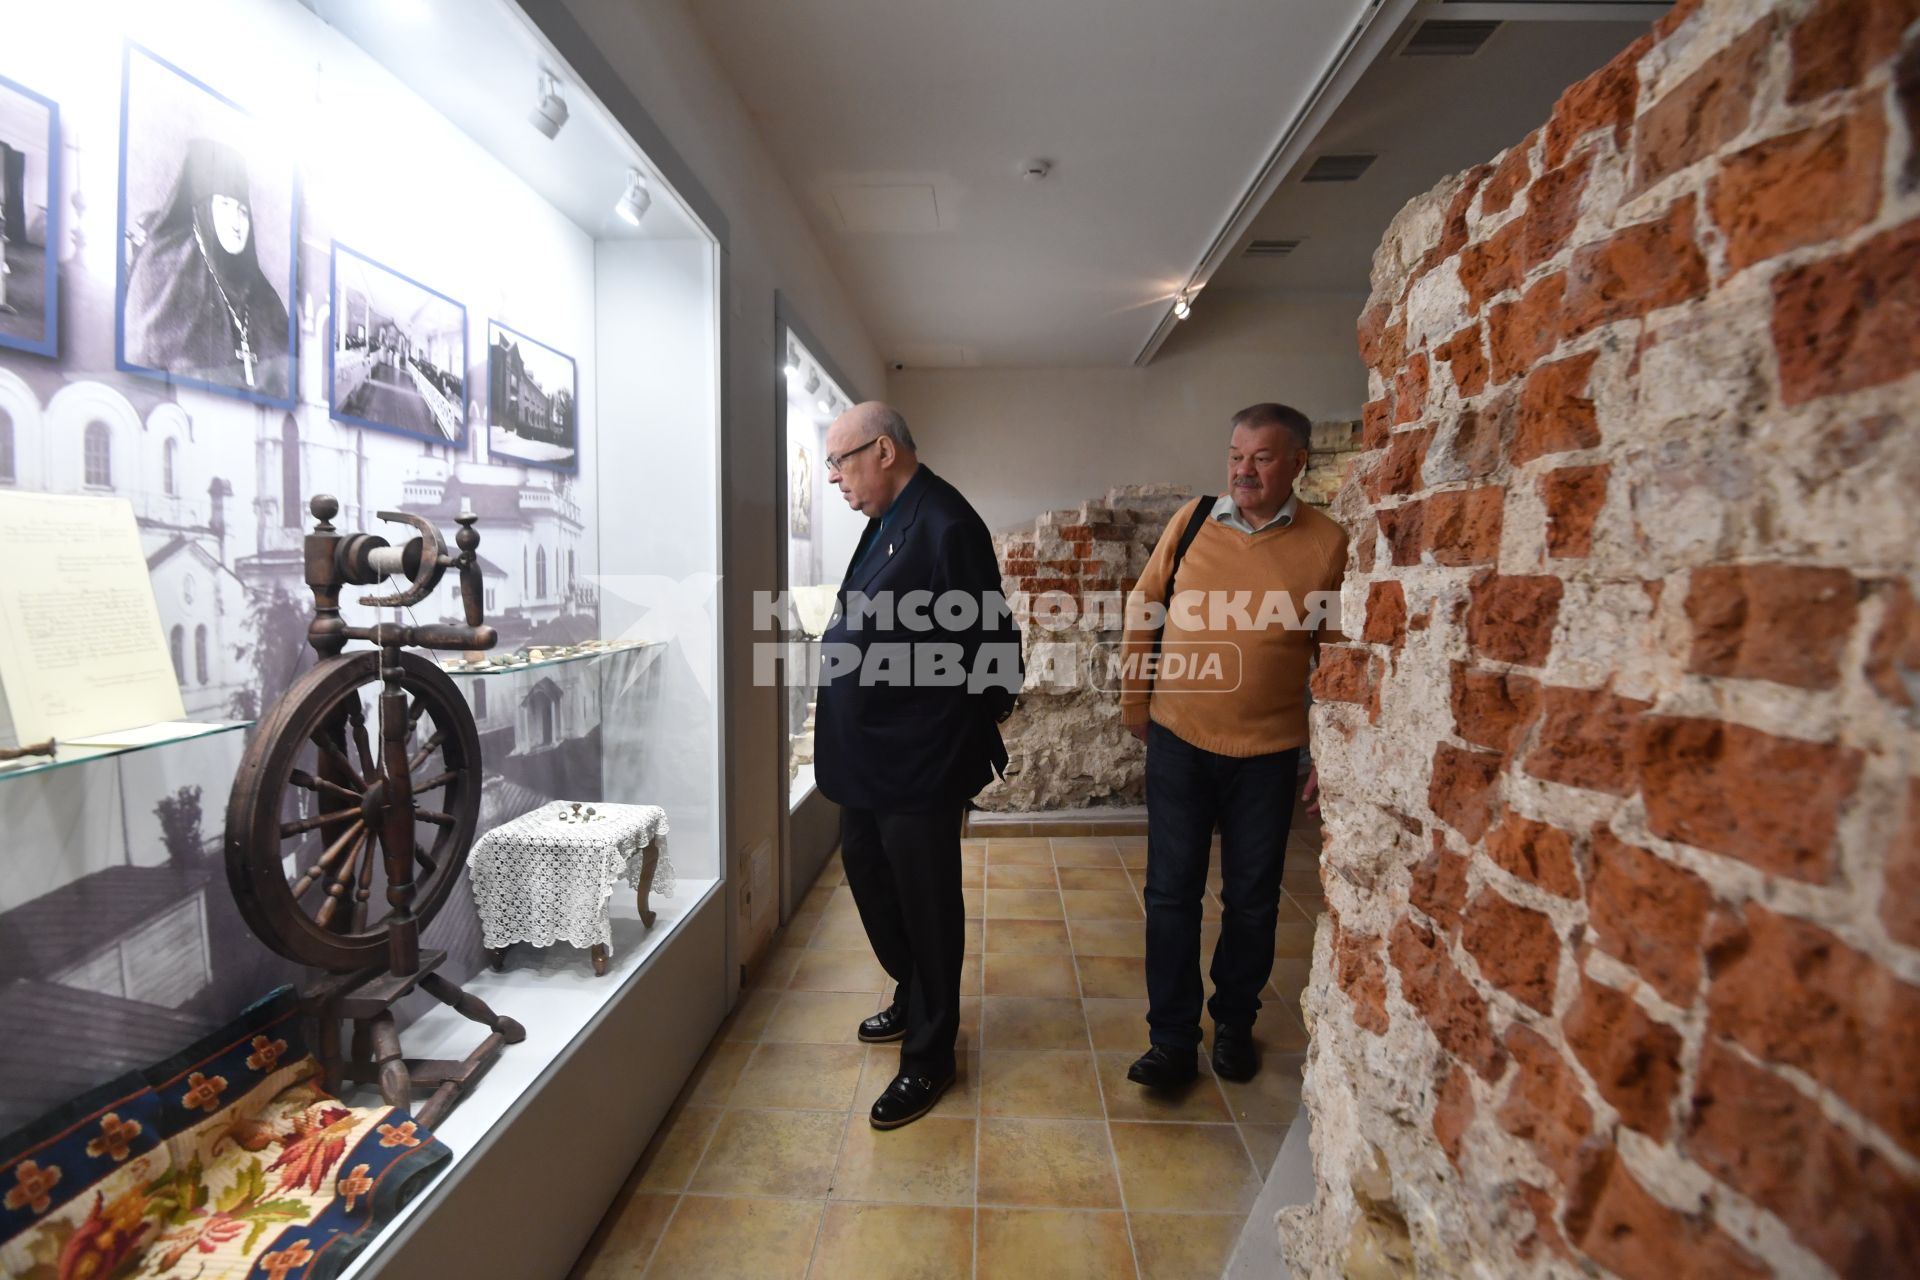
546, 876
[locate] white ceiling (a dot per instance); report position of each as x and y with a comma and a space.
902, 126
1425, 118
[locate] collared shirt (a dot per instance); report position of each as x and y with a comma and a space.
1227, 512
886, 517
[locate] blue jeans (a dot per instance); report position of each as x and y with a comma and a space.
1189, 791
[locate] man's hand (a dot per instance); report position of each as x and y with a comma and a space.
1138, 730
1310, 793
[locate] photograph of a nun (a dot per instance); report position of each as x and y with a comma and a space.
29, 219
206, 223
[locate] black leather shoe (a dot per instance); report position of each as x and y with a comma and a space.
889, 1024
907, 1099
1234, 1057
1164, 1068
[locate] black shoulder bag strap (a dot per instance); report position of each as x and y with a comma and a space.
1195, 523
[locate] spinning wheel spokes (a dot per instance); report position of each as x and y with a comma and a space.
317, 870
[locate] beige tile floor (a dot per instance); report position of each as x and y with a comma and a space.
1042, 1160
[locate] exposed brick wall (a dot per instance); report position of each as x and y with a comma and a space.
1621, 972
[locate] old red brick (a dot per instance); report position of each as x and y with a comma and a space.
1516, 948
1462, 526
1511, 618
1800, 188
1586, 739
1477, 445
1573, 498
1839, 40
1467, 359
1076, 532
1464, 789
1900, 904
1540, 1204
1346, 674
1410, 390
1452, 1111
1613, 1220
1648, 913
1703, 113
1848, 321
1537, 853
1553, 208
1453, 225
1375, 424
1641, 269
1607, 97
1382, 339
1508, 177
1555, 414
1492, 708
1404, 527
1544, 1106
1492, 266
1398, 470
1781, 622
1439, 886
1366, 535
1444, 999
1790, 992
1767, 1140
1362, 974
1634, 1061
1520, 333
1770, 801
1386, 614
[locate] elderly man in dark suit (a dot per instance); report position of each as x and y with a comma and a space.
919, 666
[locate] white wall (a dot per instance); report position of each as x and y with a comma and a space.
1021, 441
667, 66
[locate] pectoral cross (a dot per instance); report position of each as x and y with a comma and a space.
244, 354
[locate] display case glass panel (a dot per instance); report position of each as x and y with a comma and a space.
327, 246
821, 533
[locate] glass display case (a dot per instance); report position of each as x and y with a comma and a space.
394, 252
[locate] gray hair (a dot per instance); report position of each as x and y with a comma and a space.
884, 420
1270, 414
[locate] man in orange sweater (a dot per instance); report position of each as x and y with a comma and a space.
1219, 697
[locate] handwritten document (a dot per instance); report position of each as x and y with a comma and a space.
81, 647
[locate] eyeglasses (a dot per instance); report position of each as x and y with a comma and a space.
833, 462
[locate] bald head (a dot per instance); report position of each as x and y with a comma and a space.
870, 456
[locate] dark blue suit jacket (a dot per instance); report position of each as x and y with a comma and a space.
907, 747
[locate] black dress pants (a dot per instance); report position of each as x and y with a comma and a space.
1189, 790
904, 870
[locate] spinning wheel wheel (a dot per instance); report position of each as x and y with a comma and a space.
314, 797
333, 857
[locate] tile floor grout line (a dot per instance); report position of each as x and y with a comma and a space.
979, 1093
661, 1239
1106, 1115
826, 1202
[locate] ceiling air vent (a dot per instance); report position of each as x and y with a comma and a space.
1446, 38
1271, 248
1337, 168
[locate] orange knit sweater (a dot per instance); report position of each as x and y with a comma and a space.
1232, 672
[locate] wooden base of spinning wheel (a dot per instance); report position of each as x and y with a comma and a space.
366, 1000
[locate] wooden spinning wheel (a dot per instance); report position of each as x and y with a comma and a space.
334, 854
313, 807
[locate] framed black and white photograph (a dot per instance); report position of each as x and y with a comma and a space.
399, 353
532, 416
29, 220
207, 239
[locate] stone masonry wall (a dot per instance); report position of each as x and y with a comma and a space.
1621, 970
1066, 746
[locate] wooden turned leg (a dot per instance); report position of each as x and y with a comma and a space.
496, 958
396, 1087
599, 954
650, 860
332, 1074
471, 1007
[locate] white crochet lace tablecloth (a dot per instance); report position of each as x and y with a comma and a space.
542, 880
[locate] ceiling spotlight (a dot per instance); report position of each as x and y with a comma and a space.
635, 200
789, 372
1182, 307
824, 406
551, 112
